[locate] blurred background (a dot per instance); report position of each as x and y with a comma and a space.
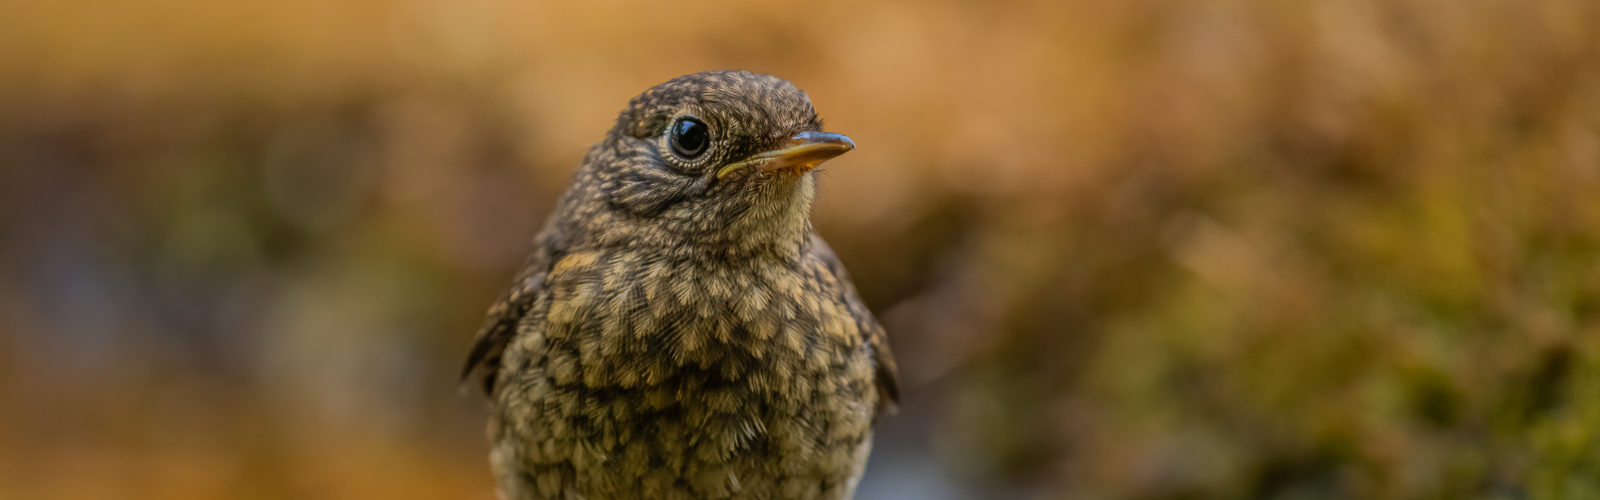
1125, 249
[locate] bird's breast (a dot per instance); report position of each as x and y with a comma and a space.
621, 309
745, 371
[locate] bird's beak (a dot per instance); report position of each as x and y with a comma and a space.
803, 152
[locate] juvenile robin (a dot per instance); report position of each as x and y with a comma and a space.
680, 330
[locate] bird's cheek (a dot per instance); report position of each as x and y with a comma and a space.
644, 194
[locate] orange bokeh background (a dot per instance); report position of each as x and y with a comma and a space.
1125, 249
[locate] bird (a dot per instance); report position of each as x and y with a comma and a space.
679, 329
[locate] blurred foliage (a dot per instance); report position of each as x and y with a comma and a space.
1126, 249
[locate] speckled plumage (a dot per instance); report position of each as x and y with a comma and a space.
681, 334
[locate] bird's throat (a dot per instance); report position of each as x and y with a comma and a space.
778, 218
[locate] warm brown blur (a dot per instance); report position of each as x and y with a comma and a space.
1125, 249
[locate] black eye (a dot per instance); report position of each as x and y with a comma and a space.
690, 137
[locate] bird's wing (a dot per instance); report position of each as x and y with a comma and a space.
500, 323
871, 332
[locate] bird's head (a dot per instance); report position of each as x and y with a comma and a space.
716, 159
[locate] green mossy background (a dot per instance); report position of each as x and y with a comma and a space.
1125, 249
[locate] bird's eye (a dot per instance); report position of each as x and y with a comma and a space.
690, 136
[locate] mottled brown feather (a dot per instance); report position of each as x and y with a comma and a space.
500, 322
886, 373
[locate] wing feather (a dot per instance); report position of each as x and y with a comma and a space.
500, 323
873, 334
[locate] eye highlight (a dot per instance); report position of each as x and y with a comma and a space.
689, 138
